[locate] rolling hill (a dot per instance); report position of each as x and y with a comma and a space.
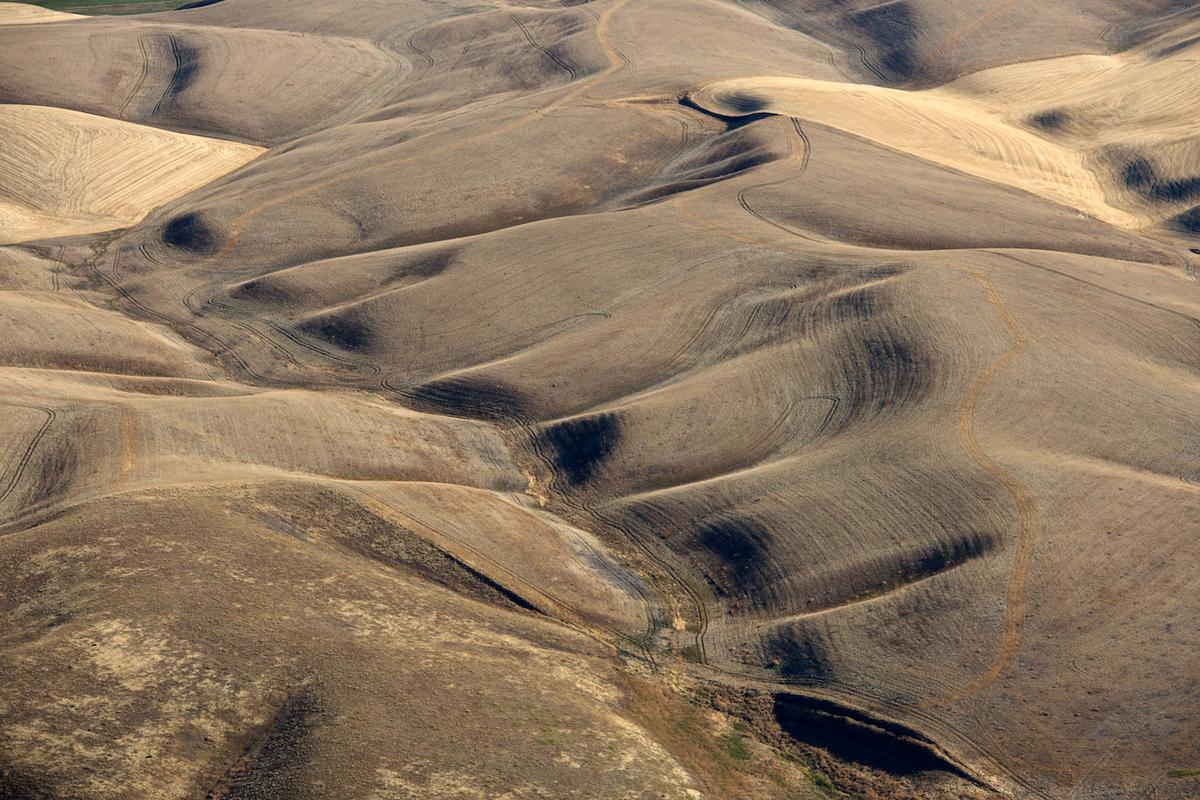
624, 398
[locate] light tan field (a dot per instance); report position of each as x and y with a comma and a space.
22, 14
616, 399
66, 173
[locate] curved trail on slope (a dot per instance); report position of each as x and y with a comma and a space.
1014, 609
832, 54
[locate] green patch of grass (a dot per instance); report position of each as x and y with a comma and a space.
110, 6
1184, 773
825, 784
735, 743
553, 741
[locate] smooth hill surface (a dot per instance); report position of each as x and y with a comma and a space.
626, 398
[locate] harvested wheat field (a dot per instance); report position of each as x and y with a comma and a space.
600, 399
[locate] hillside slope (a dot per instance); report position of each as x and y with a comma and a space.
628, 398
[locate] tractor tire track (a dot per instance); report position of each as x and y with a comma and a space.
465, 50
23, 463
217, 347
803, 158
181, 75
122, 112
544, 51
231, 311
423, 54
803, 25
1015, 596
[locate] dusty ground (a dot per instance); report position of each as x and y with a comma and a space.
626, 398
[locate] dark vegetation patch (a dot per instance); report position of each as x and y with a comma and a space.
884, 373
470, 396
187, 64
741, 548
108, 7
261, 291
406, 550
274, 759
1051, 120
891, 27
57, 470
1177, 191
364, 533
424, 266
945, 555
900, 567
1144, 27
1139, 174
746, 102
542, 57
339, 331
1188, 221
1172, 49
580, 446
859, 302
734, 151
190, 232
881, 368
16, 785
735, 743
727, 156
796, 653
853, 735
